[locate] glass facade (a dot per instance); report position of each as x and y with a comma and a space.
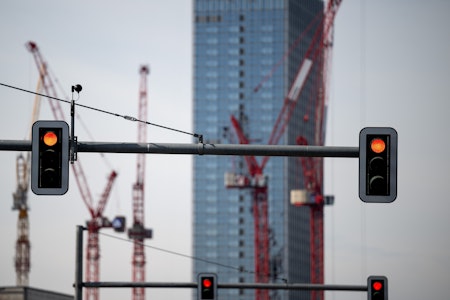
237, 43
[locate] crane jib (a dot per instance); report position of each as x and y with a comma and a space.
299, 81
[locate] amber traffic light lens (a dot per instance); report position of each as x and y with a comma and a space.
50, 138
377, 145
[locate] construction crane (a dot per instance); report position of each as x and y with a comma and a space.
20, 203
94, 225
316, 55
22, 259
138, 232
312, 195
97, 221
313, 166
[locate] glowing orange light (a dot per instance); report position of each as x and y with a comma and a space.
50, 138
377, 145
207, 283
377, 285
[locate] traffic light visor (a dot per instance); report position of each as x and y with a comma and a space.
50, 138
377, 145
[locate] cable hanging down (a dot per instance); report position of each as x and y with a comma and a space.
129, 118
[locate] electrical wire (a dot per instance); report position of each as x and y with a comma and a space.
239, 269
129, 118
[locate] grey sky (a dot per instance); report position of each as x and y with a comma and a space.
391, 67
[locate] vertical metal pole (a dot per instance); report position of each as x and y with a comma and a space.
72, 135
73, 139
79, 264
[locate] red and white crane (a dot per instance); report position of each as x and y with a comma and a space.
20, 202
20, 196
312, 167
97, 220
94, 225
316, 57
138, 232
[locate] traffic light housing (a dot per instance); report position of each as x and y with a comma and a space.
378, 164
377, 288
50, 158
207, 286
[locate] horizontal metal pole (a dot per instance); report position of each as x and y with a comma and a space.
200, 149
220, 149
8, 145
192, 285
110, 284
293, 286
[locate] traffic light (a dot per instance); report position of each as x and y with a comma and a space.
207, 286
378, 164
50, 158
377, 288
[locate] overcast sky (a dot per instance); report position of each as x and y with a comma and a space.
391, 67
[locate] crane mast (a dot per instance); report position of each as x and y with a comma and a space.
22, 259
312, 167
97, 221
94, 225
257, 183
316, 54
138, 232
20, 203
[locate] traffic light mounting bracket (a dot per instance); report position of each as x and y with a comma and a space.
73, 139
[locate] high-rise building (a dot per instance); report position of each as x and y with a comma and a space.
239, 44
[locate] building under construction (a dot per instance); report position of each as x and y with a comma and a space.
260, 71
